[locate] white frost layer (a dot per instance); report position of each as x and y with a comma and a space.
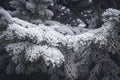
35, 34
49, 54
35, 41
32, 52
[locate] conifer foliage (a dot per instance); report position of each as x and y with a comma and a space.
57, 49
32, 10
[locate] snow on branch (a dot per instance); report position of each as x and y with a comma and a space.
34, 42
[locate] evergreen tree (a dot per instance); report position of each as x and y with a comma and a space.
34, 11
39, 47
61, 51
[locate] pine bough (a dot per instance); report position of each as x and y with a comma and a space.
39, 46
